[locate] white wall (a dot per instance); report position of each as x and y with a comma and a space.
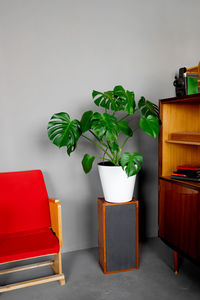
53, 53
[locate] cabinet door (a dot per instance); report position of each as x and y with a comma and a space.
179, 217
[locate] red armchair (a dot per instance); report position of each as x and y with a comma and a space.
30, 225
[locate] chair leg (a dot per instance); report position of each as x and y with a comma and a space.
175, 253
57, 266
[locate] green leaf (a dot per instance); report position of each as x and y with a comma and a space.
95, 93
114, 147
141, 102
131, 163
150, 125
85, 122
98, 100
124, 127
119, 90
107, 100
105, 125
87, 162
148, 108
64, 132
130, 107
116, 100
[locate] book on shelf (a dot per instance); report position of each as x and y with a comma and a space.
188, 168
185, 178
186, 173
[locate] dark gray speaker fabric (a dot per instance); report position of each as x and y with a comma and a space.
120, 237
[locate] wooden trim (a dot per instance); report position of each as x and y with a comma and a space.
187, 98
105, 272
104, 238
137, 234
27, 283
183, 142
175, 254
190, 184
27, 267
105, 203
160, 140
56, 219
57, 266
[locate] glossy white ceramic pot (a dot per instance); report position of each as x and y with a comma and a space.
117, 186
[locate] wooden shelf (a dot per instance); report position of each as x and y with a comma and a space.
186, 138
191, 184
183, 142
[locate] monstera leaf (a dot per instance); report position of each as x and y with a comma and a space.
64, 132
116, 100
125, 128
105, 125
148, 108
126, 97
87, 163
131, 163
86, 121
150, 125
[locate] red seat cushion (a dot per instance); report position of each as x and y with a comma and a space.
24, 202
27, 244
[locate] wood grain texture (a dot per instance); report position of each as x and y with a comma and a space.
57, 266
56, 219
101, 233
179, 201
179, 117
190, 184
175, 254
179, 217
101, 210
185, 136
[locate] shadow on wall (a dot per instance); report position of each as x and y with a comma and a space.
142, 207
96, 191
146, 188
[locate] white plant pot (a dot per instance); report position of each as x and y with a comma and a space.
117, 186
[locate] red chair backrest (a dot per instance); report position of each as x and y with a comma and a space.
23, 202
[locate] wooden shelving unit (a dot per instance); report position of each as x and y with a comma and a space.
179, 201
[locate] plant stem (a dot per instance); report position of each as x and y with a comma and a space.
102, 143
102, 158
98, 146
127, 115
125, 141
124, 117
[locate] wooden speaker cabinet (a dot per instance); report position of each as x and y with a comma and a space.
118, 235
179, 201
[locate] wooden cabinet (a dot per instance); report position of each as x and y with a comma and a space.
179, 201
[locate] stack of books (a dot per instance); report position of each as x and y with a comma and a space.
186, 173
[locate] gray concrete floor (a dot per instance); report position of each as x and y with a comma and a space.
85, 281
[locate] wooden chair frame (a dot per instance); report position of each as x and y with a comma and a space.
56, 264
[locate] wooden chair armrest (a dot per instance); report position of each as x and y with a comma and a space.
56, 218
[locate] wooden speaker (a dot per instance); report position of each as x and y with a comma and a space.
118, 235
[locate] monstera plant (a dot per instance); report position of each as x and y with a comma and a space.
103, 129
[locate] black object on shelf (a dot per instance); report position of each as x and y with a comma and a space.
180, 83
